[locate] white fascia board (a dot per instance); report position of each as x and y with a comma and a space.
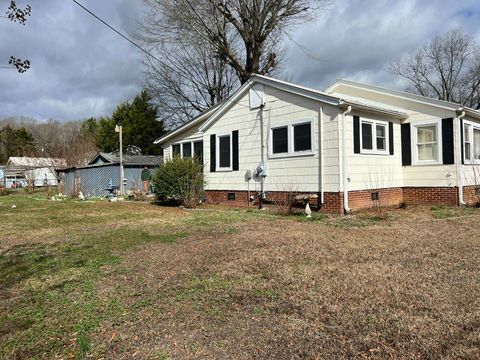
222, 109
390, 113
396, 94
185, 126
278, 84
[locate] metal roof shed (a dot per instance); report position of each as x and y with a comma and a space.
94, 179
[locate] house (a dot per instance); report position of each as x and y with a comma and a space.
31, 171
103, 172
353, 145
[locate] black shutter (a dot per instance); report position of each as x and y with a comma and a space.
406, 145
213, 153
390, 137
461, 141
356, 134
235, 155
447, 141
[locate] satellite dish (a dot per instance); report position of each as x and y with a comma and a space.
248, 175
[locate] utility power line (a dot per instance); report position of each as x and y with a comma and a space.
116, 31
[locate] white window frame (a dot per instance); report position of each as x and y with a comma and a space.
270, 145
217, 153
374, 150
290, 139
192, 141
414, 141
472, 126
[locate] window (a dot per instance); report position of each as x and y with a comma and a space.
367, 143
280, 140
381, 137
176, 150
476, 144
467, 142
427, 143
302, 137
374, 137
187, 150
225, 152
198, 150
291, 140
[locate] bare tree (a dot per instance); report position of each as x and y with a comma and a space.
16, 14
447, 68
187, 80
56, 139
216, 42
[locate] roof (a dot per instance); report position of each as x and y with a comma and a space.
112, 158
402, 94
31, 162
210, 116
196, 120
305, 92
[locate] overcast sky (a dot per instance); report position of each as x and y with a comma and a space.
81, 69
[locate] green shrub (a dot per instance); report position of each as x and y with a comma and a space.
180, 180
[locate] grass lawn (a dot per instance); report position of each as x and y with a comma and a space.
131, 280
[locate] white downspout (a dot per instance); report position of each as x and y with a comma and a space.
461, 201
345, 162
320, 155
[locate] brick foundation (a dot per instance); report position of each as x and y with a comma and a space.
357, 200
471, 195
446, 196
362, 199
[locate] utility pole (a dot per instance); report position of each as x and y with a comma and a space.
119, 130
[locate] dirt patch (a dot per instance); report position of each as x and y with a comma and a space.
141, 281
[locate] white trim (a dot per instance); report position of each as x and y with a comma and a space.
290, 140
438, 124
374, 150
181, 143
472, 127
294, 89
396, 94
217, 153
203, 116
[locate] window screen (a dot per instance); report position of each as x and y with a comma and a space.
187, 150
367, 142
467, 141
381, 137
476, 144
198, 150
224, 151
176, 150
427, 142
280, 140
302, 137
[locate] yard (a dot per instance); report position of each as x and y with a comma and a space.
132, 280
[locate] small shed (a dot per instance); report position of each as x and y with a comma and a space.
103, 171
36, 172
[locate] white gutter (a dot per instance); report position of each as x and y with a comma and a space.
461, 200
320, 155
345, 163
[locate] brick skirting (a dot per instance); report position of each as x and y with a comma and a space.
446, 196
357, 200
471, 195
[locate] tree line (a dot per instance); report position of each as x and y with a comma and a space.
205, 49
78, 141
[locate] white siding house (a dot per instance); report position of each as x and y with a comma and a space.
350, 145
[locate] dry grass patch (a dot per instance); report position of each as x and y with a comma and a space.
242, 284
